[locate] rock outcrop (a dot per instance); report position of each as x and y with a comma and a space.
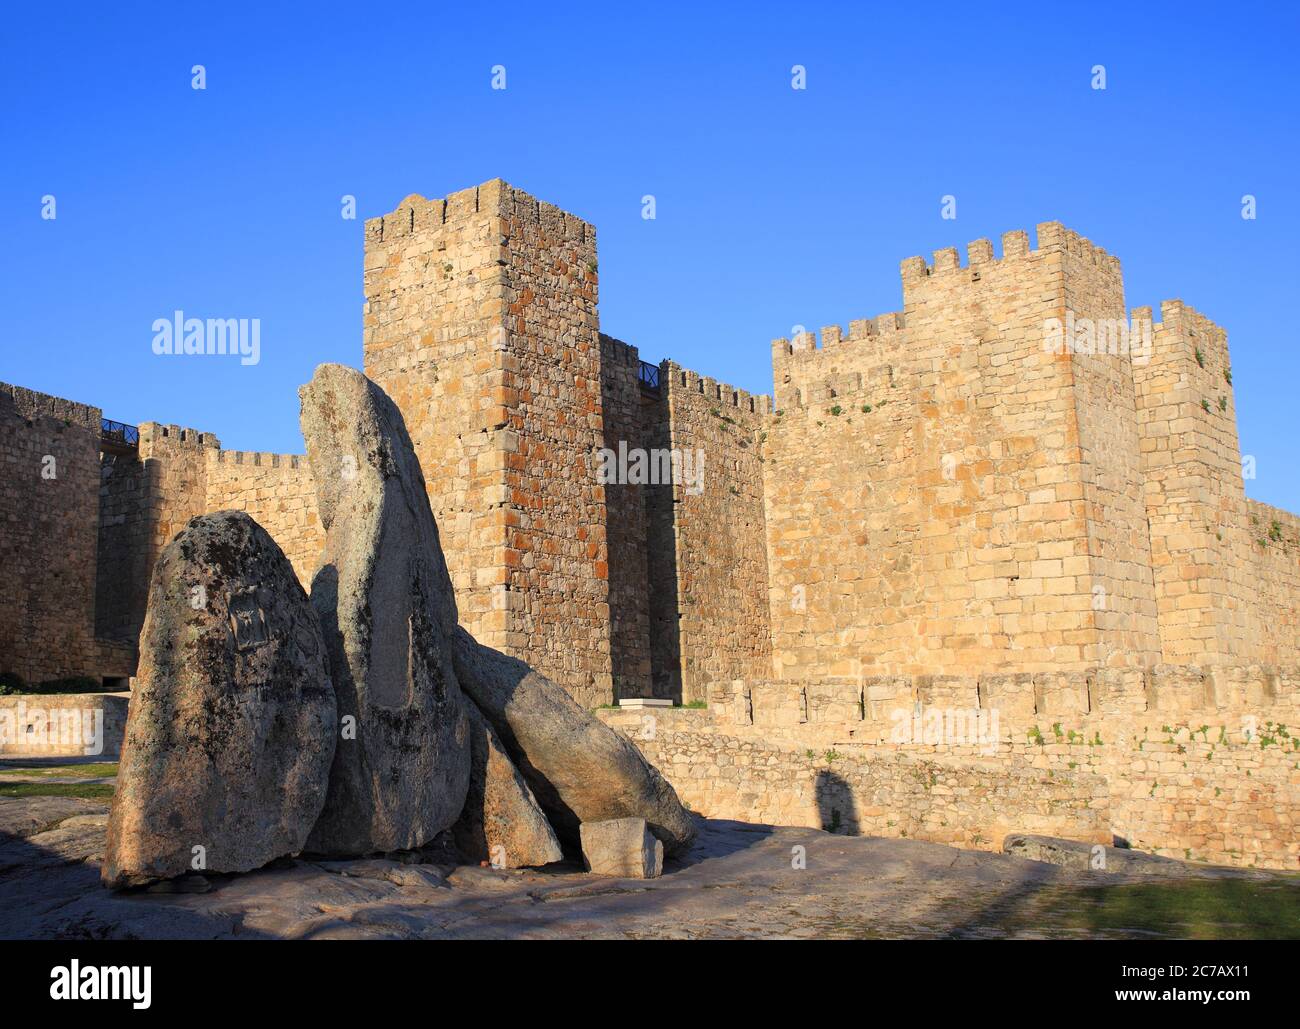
623, 848
231, 727
579, 769
401, 767
502, 822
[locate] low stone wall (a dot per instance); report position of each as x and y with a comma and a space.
62, 725
1195, 764
877, 794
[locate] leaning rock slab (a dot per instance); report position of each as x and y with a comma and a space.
623, 848
579, 769
401, 767
502, 822
231, 727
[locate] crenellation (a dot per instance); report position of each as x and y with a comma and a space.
1015, 244
945, 260
979, 252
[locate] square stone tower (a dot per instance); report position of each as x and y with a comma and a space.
948, 492
481, 324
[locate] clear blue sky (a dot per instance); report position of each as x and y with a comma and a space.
775, 207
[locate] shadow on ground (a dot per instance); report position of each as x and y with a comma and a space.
739, 881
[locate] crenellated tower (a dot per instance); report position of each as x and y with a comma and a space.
480, 322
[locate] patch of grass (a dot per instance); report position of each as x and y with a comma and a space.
1223, 909
89, 790
695, 705
12, 684
97, 770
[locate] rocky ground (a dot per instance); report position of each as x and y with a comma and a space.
738, 881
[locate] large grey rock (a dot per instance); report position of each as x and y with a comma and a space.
623, 848
1077, 856
579, 769
386, 607
502, 822
231, 726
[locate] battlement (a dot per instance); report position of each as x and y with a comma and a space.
1184, 320
615, 351
1052, 237
30, 405
1188, 346
713, 391
155, 434
809, 345
257, 459
417, 214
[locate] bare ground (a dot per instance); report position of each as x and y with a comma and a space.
740, 880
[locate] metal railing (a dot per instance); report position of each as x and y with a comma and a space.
649, 376
119, 432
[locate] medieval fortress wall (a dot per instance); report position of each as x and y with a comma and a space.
49, 510
480, 322
938, 509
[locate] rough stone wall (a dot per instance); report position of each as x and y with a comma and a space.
1187, 762
911, 795
1226, 568
719, 533
1273, 570
843, 503
123, 548
49, 502
1122, 604
63, 725
179, 473
662, 588
279, 493
433, 340
481, 323
946, 527
625, 412
174, 464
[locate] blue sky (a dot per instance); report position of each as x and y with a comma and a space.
775, 207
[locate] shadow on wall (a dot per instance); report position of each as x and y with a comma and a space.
837, 807
661, 562
644, 638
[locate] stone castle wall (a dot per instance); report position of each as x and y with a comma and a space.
939, 512
124, 547
1192, 763
80, 547
631, 420
481, 324
279, 493
718, 532
1274, 578
1226, 568
947, 494
63, 725
49, 503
